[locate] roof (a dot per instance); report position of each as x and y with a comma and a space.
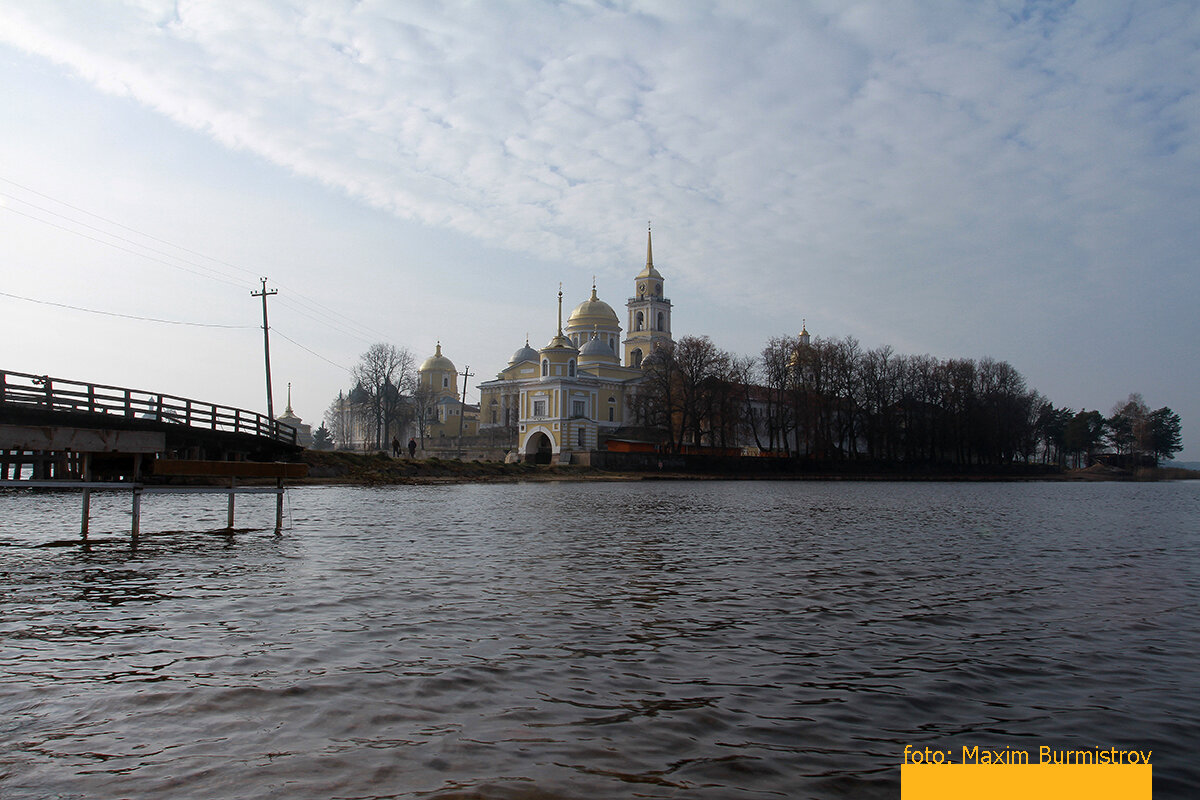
525, 353
593, 312
649, 271
437, 361
597, 348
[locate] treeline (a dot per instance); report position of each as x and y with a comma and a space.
386, 400
831, 400
1132, 434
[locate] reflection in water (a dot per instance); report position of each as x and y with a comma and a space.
700, 640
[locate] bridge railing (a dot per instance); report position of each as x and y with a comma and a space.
58, 394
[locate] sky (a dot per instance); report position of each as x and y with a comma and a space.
1014, 180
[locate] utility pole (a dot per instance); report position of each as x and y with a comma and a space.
264, 294
462, 412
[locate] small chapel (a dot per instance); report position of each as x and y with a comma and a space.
563, 398
447, 416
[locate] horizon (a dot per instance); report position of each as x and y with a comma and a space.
1005, 181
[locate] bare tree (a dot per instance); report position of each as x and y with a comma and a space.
1129, 429
777, 371
655, 404
339, 423
384, 371
423, 398
878, 377
700, 367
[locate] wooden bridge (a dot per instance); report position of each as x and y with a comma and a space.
65, 434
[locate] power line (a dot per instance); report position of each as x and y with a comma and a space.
332, 318
123, 316
118, 237
310, 352
173, 322
117, 246
114, 222
304, 306
374, 335
330, 322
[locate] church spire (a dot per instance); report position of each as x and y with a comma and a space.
649, 271
559, 340
649, 250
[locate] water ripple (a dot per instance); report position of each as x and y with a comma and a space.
562, 641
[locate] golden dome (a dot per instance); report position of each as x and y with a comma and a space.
593, 313
437, 361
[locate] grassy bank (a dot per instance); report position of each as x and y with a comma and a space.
1101, 472
378, 469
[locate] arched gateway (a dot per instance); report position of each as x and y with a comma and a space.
538, 449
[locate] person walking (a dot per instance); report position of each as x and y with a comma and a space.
395, 447
412, 448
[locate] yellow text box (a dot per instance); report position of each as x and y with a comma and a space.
1026, 781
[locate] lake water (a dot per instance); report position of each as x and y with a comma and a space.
593, 640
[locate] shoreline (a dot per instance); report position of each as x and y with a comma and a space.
333, 468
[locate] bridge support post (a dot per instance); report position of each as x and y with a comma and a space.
135, 525
229, 519
87, 498
279, 505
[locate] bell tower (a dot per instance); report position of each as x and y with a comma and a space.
649, 313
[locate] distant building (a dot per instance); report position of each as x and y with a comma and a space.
446, 415
288, 417
566, 397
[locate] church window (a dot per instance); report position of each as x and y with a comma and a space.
610, 413
571, 368
445, 382
640, 322
578, 408
545, 367
637, 357
495, 417
581, 433
539, 408
660, 322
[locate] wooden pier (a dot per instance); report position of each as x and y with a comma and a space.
67, 435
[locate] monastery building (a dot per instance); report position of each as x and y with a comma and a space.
563, 398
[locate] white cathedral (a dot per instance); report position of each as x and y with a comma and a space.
562, 397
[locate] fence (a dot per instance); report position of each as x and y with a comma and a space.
44, 393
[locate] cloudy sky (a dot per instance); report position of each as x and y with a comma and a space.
1018, 180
